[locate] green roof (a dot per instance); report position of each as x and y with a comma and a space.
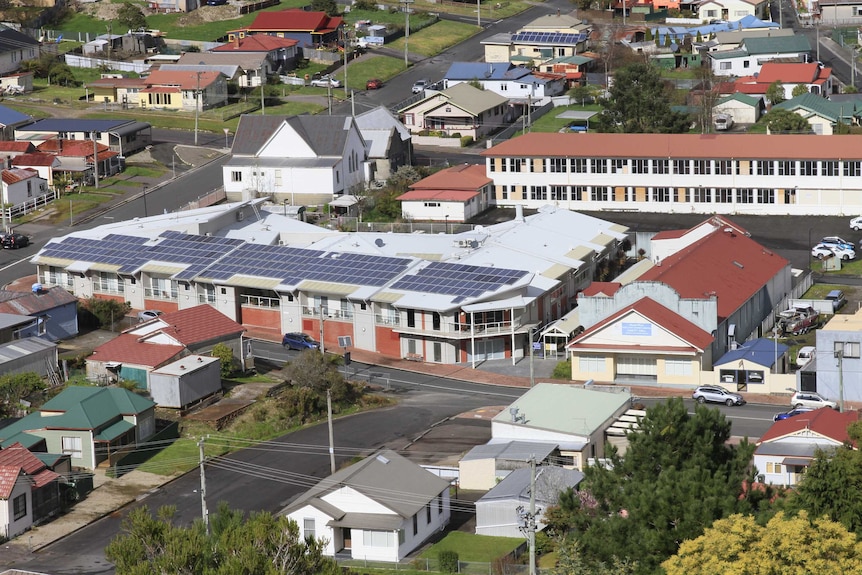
576, 59
519, 58
740, 97
566, 408
820, 106
114, 430
777, 44
10, 436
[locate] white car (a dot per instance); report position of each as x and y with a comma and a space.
811, 399
822, 251
326, 82
805, 354
856, 223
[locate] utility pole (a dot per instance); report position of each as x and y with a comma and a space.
322, 312
204, 512
197, 106
96, 160
839, 355
532, 377
479, 13
346, 48
407, 4
528, 518
331, 438
262, 97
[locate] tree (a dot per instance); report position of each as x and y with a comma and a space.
106, 312
570, 561
639, 102
784, 121
225, 356
678, 475
16, 386
775, 92
799, 90
786, 545
130, 16
261, 544
314, 370
328, 6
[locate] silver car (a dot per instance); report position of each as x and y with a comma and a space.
715, 394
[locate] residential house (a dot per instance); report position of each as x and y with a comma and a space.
44, 501
16, 48
94, 425
233, 73
157, 343
746, 367
16, 501
30, 354
516, 83
10, 149
379, 509
390, 144
733, 9
10, 120
13, 325
122, 136
743, 108
574, 68
78, 158
125, 91
306, 160
497, 512
838, 345
45, 164
838, 12
182, 90
461, 109
570, 420
279, 54
787, 449
170, 6
455, 194
21, 185
754, 52
732, 39
104, 46
709, 288
543, 39
815, 78
310, 29
714, 173
55, 309
823, 115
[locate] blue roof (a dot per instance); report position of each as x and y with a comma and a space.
742, 24
74, 125
761, 351
482, 71
8, 116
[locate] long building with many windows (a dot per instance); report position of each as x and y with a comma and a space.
692, 173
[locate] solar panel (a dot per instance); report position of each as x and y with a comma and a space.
548, 37
461, 281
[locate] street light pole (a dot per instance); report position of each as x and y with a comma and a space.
197, 106
146, 213
262, 98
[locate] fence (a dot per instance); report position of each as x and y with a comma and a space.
210, 199
349, 223
795, 293
30, 205
517, 126
255, 6
84, 62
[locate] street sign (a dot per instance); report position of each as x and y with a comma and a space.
344, 341
537, 345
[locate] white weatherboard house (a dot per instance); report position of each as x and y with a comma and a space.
379, 509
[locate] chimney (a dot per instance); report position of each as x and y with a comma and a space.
519, 213
236, 42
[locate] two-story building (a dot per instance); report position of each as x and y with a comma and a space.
516, 83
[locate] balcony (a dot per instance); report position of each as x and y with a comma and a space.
209, 298
259, 301
380, 319
336, 314
455, 330
166, 295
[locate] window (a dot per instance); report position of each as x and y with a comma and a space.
108, 282
19, 507
724, 65
411, 318
599, 194
504, 192
558, 165
640, 166
724, 167
72, 446
236, 176
492, 165
723, 195
600, 166
415, 524
702, 195
701, 167
766, 196
431, 204
786, 168
591, 363
746, 196
617, 166
681, 167
746, 63
308, 527
578, 193
408, 119
829, 168
807, 168
773, 467
538, 192
378, 538
579, 165
516, 164
852, 168
790, 195
29, 188
428, 514
559, 193
765, 168
661, 166
661, 194
677, 367
850, 348
439, 504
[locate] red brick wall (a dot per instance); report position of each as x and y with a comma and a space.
165, 306
260, 317
388, 342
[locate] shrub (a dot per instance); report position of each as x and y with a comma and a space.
448, 561
563, 370
225, 356
456, 135
466, 141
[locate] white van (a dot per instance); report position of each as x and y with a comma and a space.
804, 355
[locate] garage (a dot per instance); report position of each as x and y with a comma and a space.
636, 367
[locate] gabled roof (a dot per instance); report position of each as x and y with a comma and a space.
461, 196
657, 314
10, 146
295, 21
74, 125
10, 117
326, 135
470, 177
246, 60
761, 351
35, 159
256, 43
380, 118
472, 99
29, 303
128, 348
15, 175
790, 72
604, 288
826, 422
194, 325
9, 475
253, 132
727, 264
817, 105
550, 481
776, 45
13, 41
389, 479
16, 455
118, 83
742, 98
485, 71
74, 148
182, 79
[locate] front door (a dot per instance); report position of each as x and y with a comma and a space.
345, 536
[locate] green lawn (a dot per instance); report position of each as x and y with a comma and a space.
472, 547
436, 38
371, 66
551, 122
819, 291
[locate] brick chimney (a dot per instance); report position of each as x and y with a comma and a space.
236, 42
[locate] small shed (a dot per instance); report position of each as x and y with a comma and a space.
750, 366
32, 354
185, 381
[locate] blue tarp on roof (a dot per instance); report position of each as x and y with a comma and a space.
679, 32
761, 351
8, 116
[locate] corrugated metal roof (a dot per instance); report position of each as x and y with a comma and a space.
253, 282
161, 269
387, 297
511, 450
327, 287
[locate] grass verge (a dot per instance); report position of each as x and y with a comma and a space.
472, 547
436, 38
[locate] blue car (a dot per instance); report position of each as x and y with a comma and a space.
791, 413
299, 341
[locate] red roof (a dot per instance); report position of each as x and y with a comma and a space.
34, 159
604, 288
15, 175
198, 324
462, 177
439, 195
707, 146
118, 83
8, 478
128, 348
256, 43
825, 421
729, 265
23, 147
657, 314
16, 455
182, 79
788, 73
669, 235
75, 148
295, 21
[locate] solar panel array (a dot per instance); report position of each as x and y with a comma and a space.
113, 249
197, 252
459, 280
293, 265
548, 38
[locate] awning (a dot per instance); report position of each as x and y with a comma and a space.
78, 267
556, 271
368, 521
49, 261
253, 282
105, 268
579, 253
344, 201
327, 287
151, 268
115, 430
387, 297
796, 461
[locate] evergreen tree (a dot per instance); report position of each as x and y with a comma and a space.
639, 102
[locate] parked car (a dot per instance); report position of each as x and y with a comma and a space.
148, 314
805, 354
856, 223
299, 341
419, 86
715, 394
326, 82
15, 240
797, 320
811, 399
723, 122
837, 298
822, 251
791, 413
374, 84
216, 2
835, 240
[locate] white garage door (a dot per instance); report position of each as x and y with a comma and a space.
636, 365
